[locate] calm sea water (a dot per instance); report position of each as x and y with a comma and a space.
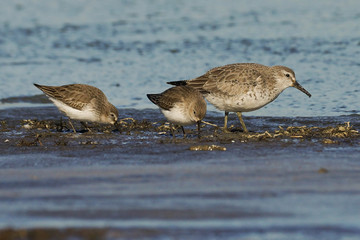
130, 48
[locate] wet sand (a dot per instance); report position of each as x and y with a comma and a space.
297, 181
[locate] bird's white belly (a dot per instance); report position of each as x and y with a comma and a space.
177, 116
240, 103
86, 114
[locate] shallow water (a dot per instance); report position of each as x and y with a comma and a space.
140, 183
130, 48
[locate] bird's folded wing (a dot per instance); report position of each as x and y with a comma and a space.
231, 83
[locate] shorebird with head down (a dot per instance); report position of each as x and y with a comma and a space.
182, 105
81, 102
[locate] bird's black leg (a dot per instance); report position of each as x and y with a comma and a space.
198, 128
183, 130
85, 126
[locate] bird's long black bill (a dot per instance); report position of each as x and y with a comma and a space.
298, 86
117, 126
198, 128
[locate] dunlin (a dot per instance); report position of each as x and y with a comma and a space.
181, 105
243, 87
81, 102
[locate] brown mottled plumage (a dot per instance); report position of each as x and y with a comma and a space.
181, 105
81, 102
243, 87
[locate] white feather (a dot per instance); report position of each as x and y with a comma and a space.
85, 114
178, 115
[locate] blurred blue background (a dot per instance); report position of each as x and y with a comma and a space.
130, 48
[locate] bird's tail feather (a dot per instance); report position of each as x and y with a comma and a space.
178, 83
154, 98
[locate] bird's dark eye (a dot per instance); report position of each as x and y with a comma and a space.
287, 75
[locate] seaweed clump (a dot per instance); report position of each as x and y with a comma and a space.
328, 134
130, 124
39, 125
207, 148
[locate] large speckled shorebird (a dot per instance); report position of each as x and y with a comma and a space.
81, 102
181, 105
243, 87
